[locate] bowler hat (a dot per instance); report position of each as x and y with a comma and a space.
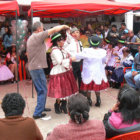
94, 41
55, 36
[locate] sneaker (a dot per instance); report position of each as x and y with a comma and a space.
38, 117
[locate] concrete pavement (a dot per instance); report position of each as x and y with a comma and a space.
108, 98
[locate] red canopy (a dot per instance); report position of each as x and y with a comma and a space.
74, 8
9, 8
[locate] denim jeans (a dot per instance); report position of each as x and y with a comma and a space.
40, 83
132, 81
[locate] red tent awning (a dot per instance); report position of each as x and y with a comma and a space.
74, 8
9, 8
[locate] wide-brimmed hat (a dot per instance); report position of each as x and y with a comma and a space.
94, 41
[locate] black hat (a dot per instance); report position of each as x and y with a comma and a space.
55, 36
94, 41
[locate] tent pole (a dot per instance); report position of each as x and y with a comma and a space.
32, 32
17, 55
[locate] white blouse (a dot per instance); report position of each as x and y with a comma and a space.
60, 60
93, 65
72, 46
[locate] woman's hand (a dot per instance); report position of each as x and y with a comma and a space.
73, 58
115, 107
134, 73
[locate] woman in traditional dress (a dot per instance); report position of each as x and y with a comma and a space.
93, 72
62, 82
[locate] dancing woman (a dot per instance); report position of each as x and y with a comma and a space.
93, 73
62, 82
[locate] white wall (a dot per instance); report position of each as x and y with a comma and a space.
129, 20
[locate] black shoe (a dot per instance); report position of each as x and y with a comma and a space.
63, 107
47, 109
111, 83
98, 102
57, 108
38, 117
89, 101
117, 85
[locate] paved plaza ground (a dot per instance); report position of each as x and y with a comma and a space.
25, 88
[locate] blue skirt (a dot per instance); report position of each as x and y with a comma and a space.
118, 75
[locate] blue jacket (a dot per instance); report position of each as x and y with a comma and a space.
7, 41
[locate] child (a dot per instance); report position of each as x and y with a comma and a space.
110, 61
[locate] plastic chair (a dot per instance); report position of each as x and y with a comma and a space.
124, 71
127, 136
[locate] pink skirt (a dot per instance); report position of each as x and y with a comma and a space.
62, 85
93, 86
5, 73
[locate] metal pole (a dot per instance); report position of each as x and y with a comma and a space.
17, 55
32, 32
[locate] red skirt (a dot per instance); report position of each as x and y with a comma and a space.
93, 86
62, 85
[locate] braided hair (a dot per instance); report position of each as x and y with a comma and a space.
78, 108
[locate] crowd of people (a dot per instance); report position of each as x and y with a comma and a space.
84, 69
113, 40
8, 56
122, 118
